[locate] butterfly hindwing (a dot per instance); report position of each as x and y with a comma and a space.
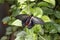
31, 24
37, 20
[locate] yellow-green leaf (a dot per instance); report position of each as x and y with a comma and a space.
46, 18
50, 1
17, 23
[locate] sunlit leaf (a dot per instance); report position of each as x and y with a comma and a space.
32, 4
32, 0
38, 29
35, 11
17, 23
38, 12
4, 38
46, 18
21, 35
28, 31
50, 1
21, 1
30, 34
44, 4
24, 11
31, 37
23, 6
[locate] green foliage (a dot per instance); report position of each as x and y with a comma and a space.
41, 9
11, 1
9, 31
45, 4
1, 1
21, 35
47, 11
4, 38
50, 1
50, 27
57, 14
15, 11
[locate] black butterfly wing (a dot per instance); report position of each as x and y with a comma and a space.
22, 17
25, 18
31, 25
37, 20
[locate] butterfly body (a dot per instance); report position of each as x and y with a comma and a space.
28, 20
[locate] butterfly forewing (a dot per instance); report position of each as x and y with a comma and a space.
22, 16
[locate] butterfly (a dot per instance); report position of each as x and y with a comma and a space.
29, 20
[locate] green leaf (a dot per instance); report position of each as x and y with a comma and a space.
56, 37
46, 18
8, 30
57, 21
32, 0
30, 34
16, 12
21, 35
53, 30
4, 38
50, 1
47, 11
37, 12
57, 14
6, 19
32, 4
31, 37
44, 4
23, 6
20, 1
47, 37
50, 27
17, 23
38, 29
57, 27
28, 31
24, 11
